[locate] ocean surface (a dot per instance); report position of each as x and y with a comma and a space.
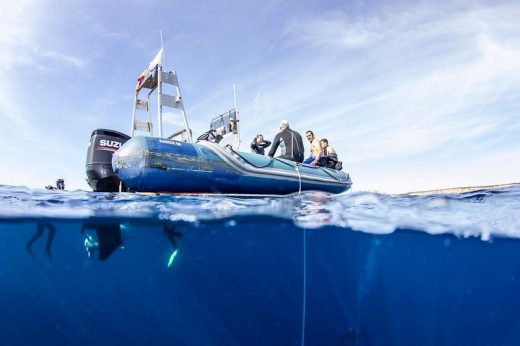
313, 269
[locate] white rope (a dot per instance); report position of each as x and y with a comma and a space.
304, 305
299, 179
304, 298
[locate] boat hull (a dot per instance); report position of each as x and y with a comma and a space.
149, 164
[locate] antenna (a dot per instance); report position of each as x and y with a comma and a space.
159, 86
237, 113
235, 96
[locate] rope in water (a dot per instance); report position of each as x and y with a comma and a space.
299, 179
304, 298
304, 305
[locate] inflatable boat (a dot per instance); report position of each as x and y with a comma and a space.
149, 164
178, 164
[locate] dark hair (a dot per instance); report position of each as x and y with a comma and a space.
325, 140
258, 135
312, 133
60, 184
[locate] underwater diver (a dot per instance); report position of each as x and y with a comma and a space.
40, 228
60, 185
108, 239
171, 234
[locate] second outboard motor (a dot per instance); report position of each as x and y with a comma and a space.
100, 175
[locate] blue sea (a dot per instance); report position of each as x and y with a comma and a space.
83, 268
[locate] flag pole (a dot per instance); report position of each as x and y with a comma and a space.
159, 87
162, 47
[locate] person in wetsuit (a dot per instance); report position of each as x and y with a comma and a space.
107, 240
259, 144
60, 185
328, 156
42, 226
290, 142
40, 229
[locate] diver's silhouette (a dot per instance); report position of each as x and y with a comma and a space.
40, 228
109, 239
60, 185
171, 234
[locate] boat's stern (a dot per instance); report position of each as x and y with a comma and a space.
151, 164
129, 160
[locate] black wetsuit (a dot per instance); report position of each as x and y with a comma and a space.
258, 148
293, 145
40, 228
329, 160
109, 237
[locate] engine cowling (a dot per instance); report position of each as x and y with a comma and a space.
103, 144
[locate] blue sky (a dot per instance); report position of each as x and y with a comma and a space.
412, 95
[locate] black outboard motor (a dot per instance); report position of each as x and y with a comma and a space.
103, 143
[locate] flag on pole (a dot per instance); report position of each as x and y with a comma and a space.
157, 60
140, 79
150, 69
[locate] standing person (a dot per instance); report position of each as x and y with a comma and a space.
290, 142
259, 144
315, 149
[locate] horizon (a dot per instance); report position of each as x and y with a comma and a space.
413, 96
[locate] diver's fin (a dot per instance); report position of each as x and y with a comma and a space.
109, 239
172, 257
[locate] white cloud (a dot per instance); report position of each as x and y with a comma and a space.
16, 37
102, 31
173, 119
423, 80
337, 29
385, 85
64, 58
19, 32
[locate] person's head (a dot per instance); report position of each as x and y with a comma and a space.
284, 124
310, 135
60, 184
324, 143
259, 138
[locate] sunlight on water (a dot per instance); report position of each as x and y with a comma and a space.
359, 268
483, 213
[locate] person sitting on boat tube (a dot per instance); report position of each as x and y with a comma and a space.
290, 142
259, 144
328, 157
315, 149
